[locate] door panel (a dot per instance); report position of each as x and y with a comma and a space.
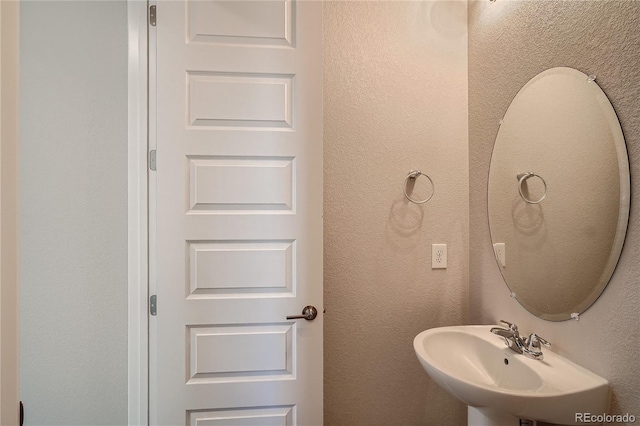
242, 22
235, 268
261, 416
238, 213
250, 100
261, 184
225, 352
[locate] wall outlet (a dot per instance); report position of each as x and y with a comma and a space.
438, 256
501, 255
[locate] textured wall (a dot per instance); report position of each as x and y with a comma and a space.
395, 98
73, 210
509, 43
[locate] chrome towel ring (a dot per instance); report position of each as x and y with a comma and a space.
414, 175
522, 177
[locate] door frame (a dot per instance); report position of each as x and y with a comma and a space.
138, 208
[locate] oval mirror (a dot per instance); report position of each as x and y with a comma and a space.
558, 193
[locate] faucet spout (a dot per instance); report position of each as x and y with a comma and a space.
530, 347
511, 338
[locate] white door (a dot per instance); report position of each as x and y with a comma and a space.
237, 221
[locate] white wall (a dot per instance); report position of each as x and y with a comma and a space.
73, 210
395, 99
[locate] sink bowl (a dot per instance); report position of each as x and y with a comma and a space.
476, 366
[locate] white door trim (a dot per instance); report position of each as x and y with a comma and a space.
138, 260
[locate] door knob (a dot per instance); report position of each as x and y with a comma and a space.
309, 313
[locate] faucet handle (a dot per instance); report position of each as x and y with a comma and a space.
533, 342
511, 326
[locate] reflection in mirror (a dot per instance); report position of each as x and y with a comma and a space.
558, 194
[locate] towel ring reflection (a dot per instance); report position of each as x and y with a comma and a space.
522, 177
414, 175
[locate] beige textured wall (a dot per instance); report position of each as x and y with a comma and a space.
395, 98
509, 43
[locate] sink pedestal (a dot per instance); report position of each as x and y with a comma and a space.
477, 417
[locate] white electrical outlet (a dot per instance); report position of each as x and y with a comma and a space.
438, 256
501, 255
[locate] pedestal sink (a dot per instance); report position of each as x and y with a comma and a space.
475, 366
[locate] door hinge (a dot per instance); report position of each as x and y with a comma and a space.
152, 160
152, 15
153, 305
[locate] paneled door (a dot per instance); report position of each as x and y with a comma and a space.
236, 212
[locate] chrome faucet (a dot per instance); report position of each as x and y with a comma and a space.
529, 346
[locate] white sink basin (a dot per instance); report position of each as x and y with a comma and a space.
476, 366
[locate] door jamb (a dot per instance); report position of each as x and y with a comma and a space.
138, 258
